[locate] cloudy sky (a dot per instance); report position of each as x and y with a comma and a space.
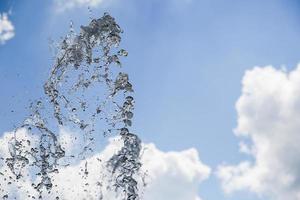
217, 88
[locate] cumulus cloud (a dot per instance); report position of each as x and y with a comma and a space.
168, 175
7, 30
269, 117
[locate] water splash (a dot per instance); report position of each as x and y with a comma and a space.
86, 91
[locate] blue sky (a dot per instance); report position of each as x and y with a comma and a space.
186, 58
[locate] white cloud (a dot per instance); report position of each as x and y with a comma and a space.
269, 115
170, 175
173, 175
7, 30
62, 5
